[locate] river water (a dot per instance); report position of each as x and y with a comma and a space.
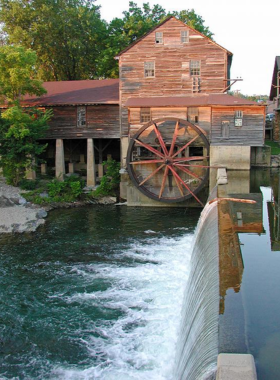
95, 294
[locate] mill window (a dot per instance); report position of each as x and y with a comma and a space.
81, 116
195, 68
159, 38
145, 115
184, 36
149, 69
238, 118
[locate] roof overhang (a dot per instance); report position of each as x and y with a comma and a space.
190, 101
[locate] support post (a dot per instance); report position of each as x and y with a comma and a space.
43, 169
91, 181
30, 172
100, 170
59, 160
71, 167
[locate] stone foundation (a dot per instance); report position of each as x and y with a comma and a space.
231, 157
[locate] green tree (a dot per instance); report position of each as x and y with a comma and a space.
195, 21
67, 35
20, 128
17, 74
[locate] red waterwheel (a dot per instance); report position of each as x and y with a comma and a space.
167, 160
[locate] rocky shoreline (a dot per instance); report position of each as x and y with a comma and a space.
17, 215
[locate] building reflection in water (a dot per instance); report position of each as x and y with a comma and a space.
235, 217
274, 214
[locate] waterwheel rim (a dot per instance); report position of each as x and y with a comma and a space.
161, 161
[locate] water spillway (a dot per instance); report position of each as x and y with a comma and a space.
198, 345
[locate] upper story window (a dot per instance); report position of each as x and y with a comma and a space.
81, 116
149, 69
145, 115
238, 118
195, 68
184, 36
159, 38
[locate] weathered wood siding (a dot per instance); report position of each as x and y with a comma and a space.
204, 116
250, 134
172, 66
102, 121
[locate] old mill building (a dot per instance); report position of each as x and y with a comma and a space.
167, 118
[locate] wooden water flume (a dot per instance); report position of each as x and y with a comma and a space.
167, 160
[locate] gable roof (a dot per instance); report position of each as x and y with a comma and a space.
190, 101
276, 70
80, 92
160, 24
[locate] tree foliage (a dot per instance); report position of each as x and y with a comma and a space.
20, 130
17, 74
67, 35
71, 40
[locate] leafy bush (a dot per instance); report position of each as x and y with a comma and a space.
58, 191
109, 183
68, 190
28, 184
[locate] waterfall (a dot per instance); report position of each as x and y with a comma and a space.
197, 348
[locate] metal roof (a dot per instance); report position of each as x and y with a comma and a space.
105, 91
190, 101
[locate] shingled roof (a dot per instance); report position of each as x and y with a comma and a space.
105, 91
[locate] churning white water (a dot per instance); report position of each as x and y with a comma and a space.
147, 295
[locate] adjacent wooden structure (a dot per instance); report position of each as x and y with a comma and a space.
275, 97
85, 124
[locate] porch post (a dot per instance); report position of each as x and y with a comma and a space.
59, 160
90, 163
30, 172
43, 169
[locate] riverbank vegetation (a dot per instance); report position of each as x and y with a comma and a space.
45, 191
275, 147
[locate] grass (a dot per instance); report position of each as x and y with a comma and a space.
275, 147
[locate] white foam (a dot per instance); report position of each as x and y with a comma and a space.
141, 343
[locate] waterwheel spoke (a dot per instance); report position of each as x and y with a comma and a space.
146, 162
185, 146
185, 185
151, 175
174, 139
194, 158
185, 170
160, 139
179, 186
199, 166
150, 148
163, 181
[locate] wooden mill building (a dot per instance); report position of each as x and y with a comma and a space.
172, 74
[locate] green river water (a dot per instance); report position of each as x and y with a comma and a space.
95, 293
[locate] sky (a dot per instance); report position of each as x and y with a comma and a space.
247, 28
